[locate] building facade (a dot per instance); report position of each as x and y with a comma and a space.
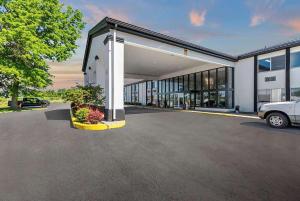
139, 66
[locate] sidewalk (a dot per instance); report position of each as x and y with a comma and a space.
240, 115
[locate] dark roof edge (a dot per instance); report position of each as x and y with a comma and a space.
270, 49
110, 23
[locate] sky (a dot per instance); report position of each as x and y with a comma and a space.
233, 27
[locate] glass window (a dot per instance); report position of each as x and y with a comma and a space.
212, 79
205, 102
167, 102
295, 94
222, 99
180, 82
205, 80
264, 96
295, 59
167, 86
264, 65
230, 99
186, 82
163, 86
176, 84
171, 84
187, 100
230, 78
198, 81
271, 95
198, 99
171, 100
213, 99
192, 82
278, 63
163, 101
221, 78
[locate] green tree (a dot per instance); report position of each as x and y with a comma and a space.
33, 32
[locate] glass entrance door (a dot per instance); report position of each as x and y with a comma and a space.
178, 100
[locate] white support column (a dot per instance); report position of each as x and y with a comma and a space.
114, 78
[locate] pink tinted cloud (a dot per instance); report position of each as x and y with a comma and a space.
257, 20
294, 24
96, 14
197, 18
263, 10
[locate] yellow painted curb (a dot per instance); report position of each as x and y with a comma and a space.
92, 127
115, 124
96, 127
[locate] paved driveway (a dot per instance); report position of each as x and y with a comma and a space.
158, 156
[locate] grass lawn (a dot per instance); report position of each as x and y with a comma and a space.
5, 109
8, 109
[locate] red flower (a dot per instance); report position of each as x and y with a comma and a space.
95, 116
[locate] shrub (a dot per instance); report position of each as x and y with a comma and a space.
82, 114
92, 95
95, 116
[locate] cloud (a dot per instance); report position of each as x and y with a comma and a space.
197, 18
263, 10
257, 20
96, 14
293, 24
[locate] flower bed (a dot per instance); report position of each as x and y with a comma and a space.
85, 112
90, 117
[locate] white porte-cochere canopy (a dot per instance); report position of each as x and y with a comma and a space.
115, 57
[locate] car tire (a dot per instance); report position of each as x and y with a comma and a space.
277, 120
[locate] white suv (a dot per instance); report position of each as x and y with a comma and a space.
281, 114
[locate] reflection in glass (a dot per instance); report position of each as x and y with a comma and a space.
167, 86
212, 79
192, 82
176, 84
198, 99
278, 62
171, 84
186, 82
198, 81
171, 100
295, 60
295, 94
230, 78
187, 101
205, 80
264, 65
205, 102
221, 78
213, 99
222, 99
180, 82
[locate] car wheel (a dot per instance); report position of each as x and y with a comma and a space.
277, 120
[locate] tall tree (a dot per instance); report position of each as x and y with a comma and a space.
33, 32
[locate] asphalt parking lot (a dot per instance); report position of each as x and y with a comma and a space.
159, 155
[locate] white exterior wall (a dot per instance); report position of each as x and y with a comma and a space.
279, 74
278, 84
97, 49
244, 84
